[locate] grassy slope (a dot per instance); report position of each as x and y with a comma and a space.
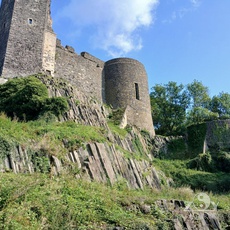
215, 184
49, 134
40, 202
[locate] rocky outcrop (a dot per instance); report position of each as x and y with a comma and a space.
83, 110
115, 160
96, 161
183, 217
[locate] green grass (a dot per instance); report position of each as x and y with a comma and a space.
33, 201
131, 155
116, 130
217, 182
52, 134
39, 202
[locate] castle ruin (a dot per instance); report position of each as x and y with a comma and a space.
28, 45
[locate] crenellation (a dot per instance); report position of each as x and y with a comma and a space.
80, 71
70, 49
90, 57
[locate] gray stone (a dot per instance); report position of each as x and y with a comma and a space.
146, 209
26, 37
3, 81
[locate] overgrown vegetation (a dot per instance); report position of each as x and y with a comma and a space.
50, 136
197, 178
116, 116
117, 130
196, 137
38, 202
114, 121
188, 166
43, 201
27, 99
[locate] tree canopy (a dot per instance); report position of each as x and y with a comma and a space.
175, 106
169, 104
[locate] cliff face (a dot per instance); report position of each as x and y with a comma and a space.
115, 159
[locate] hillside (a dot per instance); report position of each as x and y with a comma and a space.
79, 170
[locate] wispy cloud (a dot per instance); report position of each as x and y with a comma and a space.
190, 6
115, 23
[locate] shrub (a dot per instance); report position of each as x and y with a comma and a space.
56, 105
202, 162
116, 116
223, 161
27, 98
23, 97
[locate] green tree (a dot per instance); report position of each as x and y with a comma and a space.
198, 111
221, 104
199, 95
199, 114
169, 103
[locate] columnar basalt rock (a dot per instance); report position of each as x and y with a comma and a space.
29, 46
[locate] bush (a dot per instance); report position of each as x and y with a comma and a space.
22, 97
223, 161
116, 116
27, 98
56, 105
202, 162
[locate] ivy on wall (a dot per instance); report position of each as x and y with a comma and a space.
196, 136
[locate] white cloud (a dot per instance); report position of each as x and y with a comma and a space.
116, 23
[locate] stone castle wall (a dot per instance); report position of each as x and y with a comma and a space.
6, 12
218, 135
83, 71
23, 45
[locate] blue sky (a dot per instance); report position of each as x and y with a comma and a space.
176, 40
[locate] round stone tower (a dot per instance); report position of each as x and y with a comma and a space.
126, 86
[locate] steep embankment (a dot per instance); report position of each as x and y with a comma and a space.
86, 144
101, 154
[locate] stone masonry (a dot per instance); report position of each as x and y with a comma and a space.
27, 41
29, 46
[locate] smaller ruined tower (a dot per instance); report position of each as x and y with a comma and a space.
126, 86
27, 41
